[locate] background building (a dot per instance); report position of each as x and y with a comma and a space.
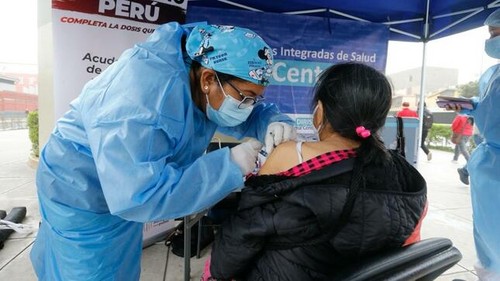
438, 81
407, 83
17, 98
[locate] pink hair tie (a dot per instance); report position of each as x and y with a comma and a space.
362, 132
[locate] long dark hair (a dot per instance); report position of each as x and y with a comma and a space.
354, 95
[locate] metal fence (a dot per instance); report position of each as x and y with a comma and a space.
13, 120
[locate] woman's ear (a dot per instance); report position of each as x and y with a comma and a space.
318, 114
207, 79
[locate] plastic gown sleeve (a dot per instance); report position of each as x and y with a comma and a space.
256, 125
475, 101
140, 189
484, 86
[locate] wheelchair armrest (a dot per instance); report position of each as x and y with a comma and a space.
423, 260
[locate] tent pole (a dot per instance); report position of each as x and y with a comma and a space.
422, 82
422, 98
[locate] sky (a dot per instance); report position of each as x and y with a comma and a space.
18, 32
464, 51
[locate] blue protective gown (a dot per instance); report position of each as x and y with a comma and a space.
484, 169
130, 150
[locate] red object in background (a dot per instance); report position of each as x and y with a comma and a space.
406, 112
462, 125
17, 102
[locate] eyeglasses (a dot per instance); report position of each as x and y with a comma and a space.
246, 101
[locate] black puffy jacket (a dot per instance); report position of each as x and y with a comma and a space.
268, 238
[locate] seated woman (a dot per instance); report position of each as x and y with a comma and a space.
317, 206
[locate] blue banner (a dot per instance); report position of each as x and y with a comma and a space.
303, 46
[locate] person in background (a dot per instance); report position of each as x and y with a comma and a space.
476, 136
484, 164
426, 126
462, 125
131, 148
406, 111
295, 220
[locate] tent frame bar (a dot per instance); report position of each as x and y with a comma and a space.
469, 13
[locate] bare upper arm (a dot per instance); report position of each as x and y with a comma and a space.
282, 158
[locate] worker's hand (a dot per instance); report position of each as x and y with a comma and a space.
245, 155
455, 107
278, 132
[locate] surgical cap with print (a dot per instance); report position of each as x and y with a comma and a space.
493, 19
231, 50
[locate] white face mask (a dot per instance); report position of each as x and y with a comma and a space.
228, 115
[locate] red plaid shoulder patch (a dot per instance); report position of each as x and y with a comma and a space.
319, 162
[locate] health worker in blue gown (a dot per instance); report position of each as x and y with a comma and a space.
131, 148
484, 163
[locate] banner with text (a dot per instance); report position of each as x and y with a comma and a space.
90, 35
303, 46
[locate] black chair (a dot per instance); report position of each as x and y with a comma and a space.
422, 261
